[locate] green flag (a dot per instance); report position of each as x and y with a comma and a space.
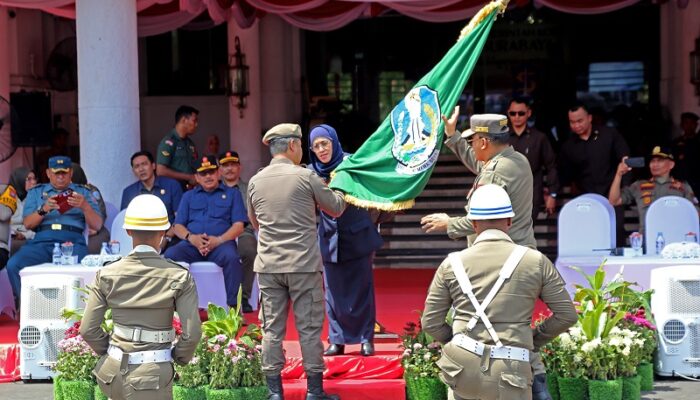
393, 166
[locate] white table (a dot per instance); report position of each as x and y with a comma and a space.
637, 269
208, 277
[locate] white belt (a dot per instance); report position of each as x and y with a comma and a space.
141, 357
144, 335
502, 352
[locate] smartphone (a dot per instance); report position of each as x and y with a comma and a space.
635, 162
62, 201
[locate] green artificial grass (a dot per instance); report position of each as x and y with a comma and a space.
78, 390
631, 387
226, 394
605, 390
99, 395
185, 393
646, 374
553, 386
573, 388
425, 389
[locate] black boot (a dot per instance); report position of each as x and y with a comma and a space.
274, 387
539, 388
314, 388
334, 350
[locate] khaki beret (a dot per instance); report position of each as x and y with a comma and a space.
486, 124
282, 131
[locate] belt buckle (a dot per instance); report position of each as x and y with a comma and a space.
136, 335
56, 227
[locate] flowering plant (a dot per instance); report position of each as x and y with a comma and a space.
76, 359
421, 353
194, 373
646, 331
233, 364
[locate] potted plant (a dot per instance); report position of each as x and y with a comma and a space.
75, 363
638, 322
192, 377
421, 373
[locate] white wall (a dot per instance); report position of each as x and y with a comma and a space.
158, 118
679, 29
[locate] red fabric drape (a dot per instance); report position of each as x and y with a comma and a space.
158, 16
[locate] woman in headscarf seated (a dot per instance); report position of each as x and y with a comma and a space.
347, 247
22, 179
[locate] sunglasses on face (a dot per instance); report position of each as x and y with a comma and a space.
518, 113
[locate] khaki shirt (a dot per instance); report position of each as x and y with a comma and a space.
510, 312
507, 169
282, 200
143, 290
645, 192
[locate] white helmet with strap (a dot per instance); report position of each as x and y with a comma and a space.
146, 212
490, 202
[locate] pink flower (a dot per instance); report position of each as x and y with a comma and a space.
216, 348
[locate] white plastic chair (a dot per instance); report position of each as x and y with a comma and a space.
586, 223
673, 216
210, 283
119, 233
112, 212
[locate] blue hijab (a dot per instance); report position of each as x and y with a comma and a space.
325, 131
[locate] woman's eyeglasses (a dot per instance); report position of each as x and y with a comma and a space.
321, 145
518, 113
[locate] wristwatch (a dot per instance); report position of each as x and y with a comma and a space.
554, 195
187, 236
41, 211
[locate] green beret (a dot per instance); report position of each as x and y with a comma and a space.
486, 124
282, 131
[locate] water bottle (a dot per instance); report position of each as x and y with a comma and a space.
660, 243
56, 255
104, 252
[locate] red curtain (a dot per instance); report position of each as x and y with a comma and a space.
158, 16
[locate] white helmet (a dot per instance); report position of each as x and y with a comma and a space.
490, 202
146, 212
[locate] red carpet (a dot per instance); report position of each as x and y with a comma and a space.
400, 295
9, 350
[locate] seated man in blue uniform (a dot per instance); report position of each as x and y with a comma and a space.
167, 189
55, 219
210, 218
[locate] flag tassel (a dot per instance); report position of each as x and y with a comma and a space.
482, 14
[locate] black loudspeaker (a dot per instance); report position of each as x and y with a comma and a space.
31, 119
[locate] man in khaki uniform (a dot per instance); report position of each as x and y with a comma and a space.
646, 191
282, 201
143, 290
484, 149
486, 352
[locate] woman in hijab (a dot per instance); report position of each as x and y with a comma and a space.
347, 247
22, 179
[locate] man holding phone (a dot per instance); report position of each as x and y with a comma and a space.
58, 211
645, 191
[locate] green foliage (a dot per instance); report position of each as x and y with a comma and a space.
194, 373
421, 353
605, 390
573, 388
77, 390
424, 388
631, 389
225, 394
76, 360
99, 395
187, 393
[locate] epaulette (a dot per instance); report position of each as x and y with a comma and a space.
106, 263
677, 185
176, 263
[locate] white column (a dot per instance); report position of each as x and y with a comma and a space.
108, 92
245, 131
5, 167
679, 28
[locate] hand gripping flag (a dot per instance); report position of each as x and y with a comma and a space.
393, 166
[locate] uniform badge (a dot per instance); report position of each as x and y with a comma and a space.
646, 200
415, 121
169, 142
165, 153
162, 191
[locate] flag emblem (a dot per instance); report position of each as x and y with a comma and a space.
415, 121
